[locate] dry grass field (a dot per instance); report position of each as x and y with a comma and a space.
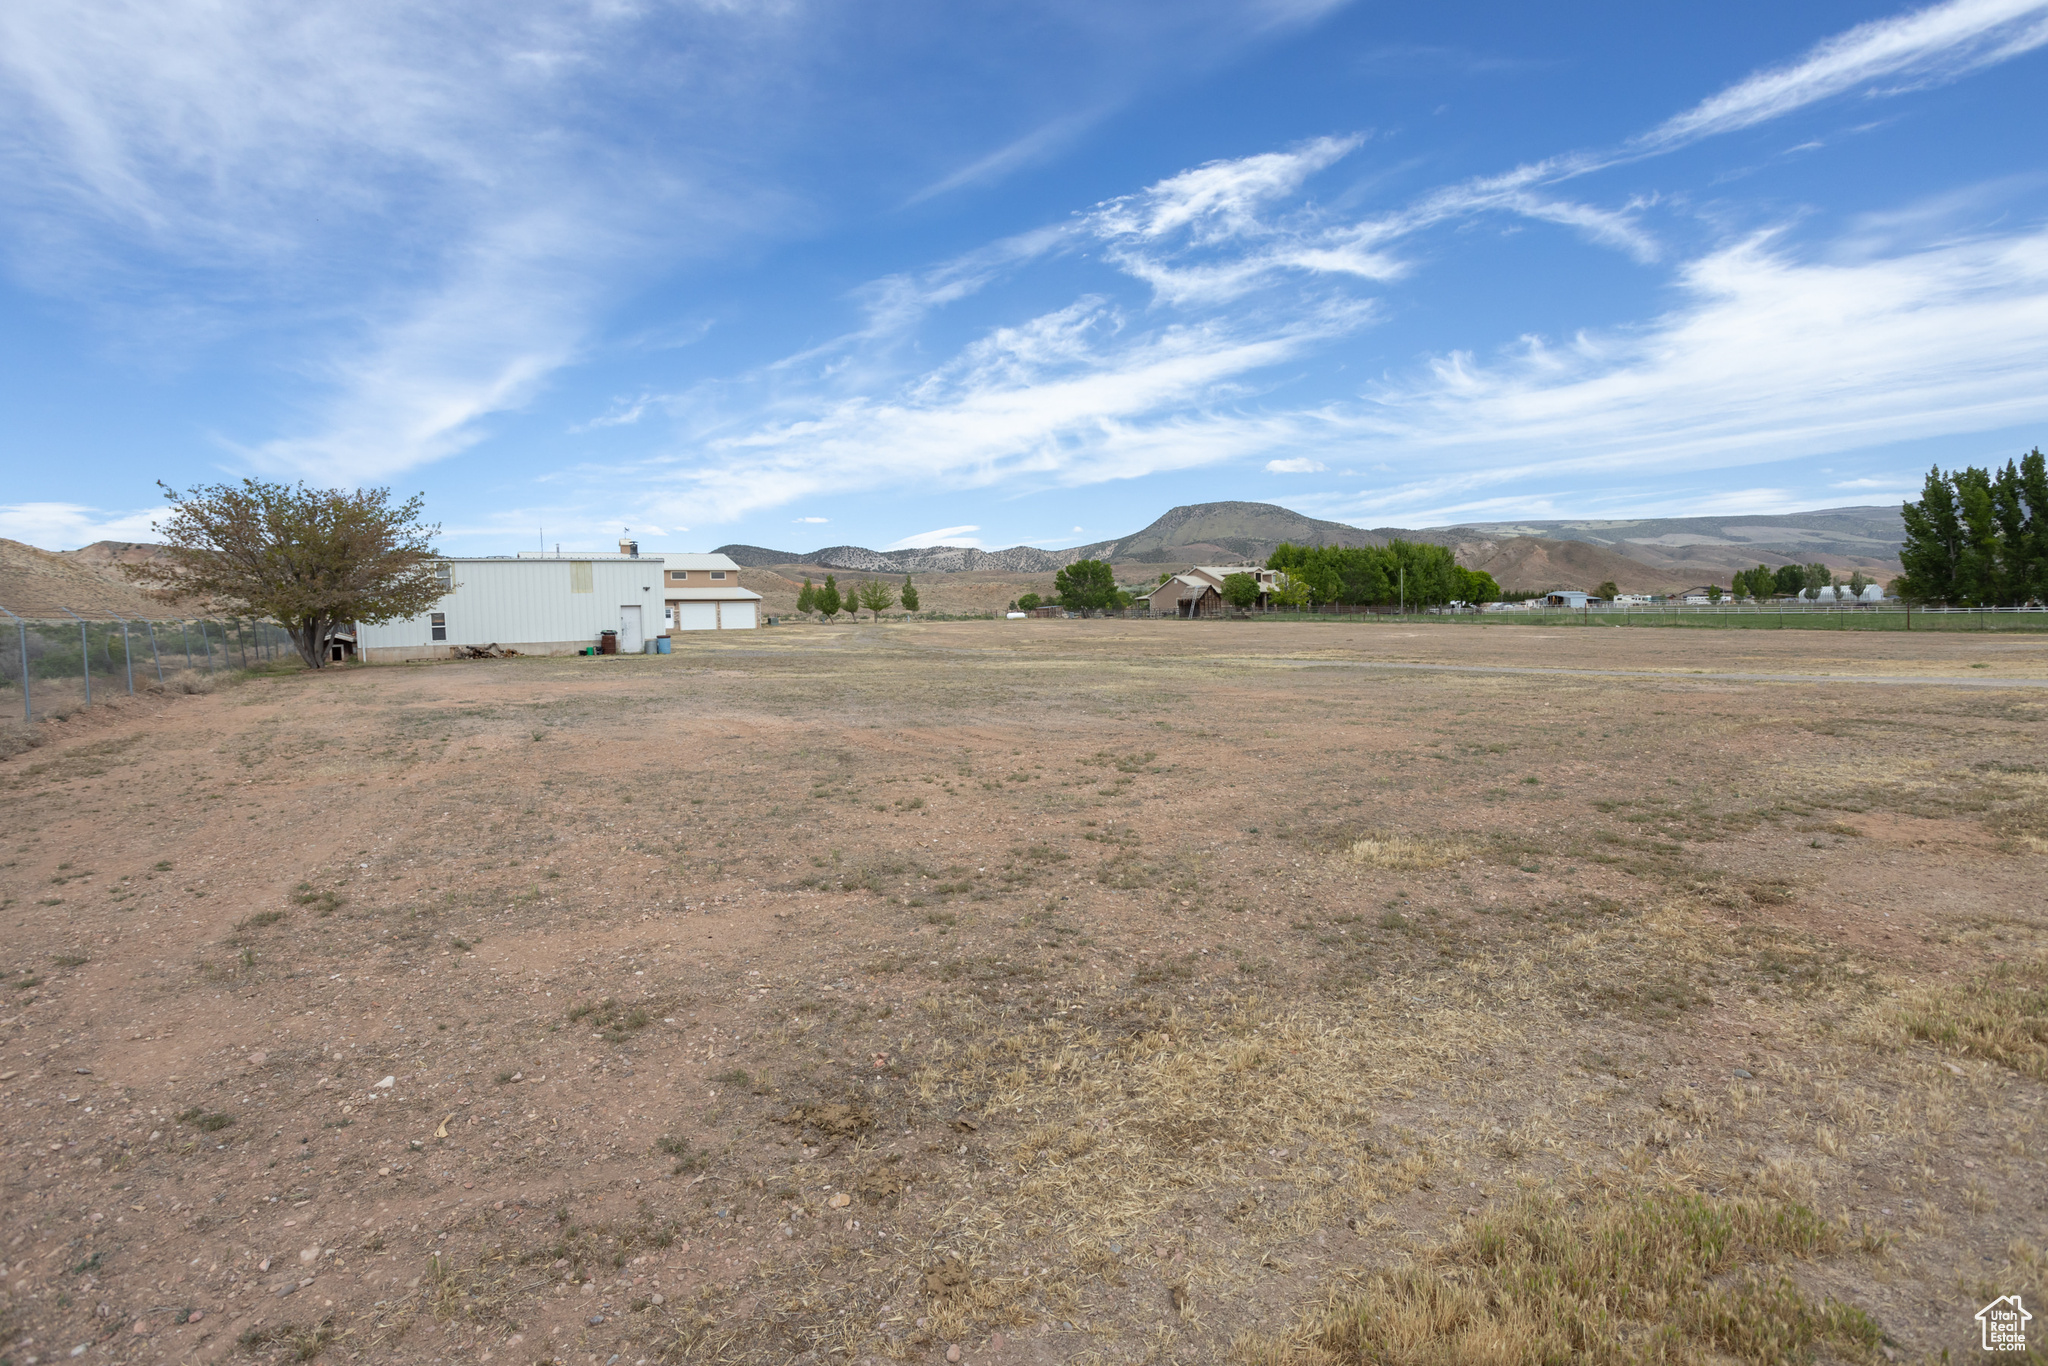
1078, 991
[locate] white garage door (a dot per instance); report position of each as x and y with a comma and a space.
696, 616
736, 616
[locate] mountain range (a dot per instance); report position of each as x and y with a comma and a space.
1639, 554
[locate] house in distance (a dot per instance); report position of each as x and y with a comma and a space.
559, 604
1199, 592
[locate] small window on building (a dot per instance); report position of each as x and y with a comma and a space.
444, 575
439, 622
718, 573
678, 575
580, 578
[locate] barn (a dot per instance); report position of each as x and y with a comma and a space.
542, 604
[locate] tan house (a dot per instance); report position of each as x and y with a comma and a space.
703, 593
1199, 592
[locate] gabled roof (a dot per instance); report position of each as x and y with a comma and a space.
698, 561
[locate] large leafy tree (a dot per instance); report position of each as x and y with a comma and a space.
309, 559
1086, 586
1476, 586
1240, 591
1374, 575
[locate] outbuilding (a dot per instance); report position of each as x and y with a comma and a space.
703, 593
540, 604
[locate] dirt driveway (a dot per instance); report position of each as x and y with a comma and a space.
1038, 992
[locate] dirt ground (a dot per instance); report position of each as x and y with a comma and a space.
1090, 991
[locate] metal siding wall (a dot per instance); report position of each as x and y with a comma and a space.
528, 601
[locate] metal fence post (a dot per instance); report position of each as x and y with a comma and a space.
127, 655
84, 651
156, 658
21, 629
207, 641
185, 635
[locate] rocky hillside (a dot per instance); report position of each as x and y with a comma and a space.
42, 583
1709, 549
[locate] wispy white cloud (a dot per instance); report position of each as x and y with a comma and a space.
1772, 357
1771, 353
67, 526
1928, 45
414, 202
813, 521
1036, 146
1901, 482
1075, 396
945, 535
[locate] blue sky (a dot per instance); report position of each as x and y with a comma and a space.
899, 273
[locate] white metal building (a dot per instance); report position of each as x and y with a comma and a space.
557, 605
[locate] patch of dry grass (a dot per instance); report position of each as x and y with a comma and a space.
1404, 853
1668, 1277
2002, 1016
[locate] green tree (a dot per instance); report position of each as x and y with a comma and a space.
909, 594
1291, 592
826, 599
1713, 592
1608, 589
1086, 586
309, 559
1857, 583
1789, 581
1756, 584
806, 597
1028, 602
1932, 554
1240, 591
877, 597
1476, 586
1817, 577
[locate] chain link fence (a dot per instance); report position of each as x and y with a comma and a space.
52, 666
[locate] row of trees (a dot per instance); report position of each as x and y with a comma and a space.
1795, 580
1979, 538
1410, 572
877, 597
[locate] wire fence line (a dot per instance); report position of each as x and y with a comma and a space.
55, 665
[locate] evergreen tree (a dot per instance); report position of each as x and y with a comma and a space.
806, 597
1933, 550
909, 594
826, 599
